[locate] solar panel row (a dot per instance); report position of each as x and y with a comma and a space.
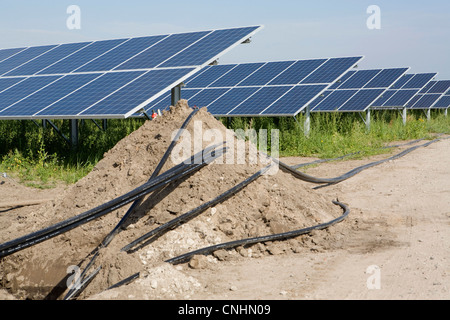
279, 88
403, 90
357, 90
432, 96
105, 79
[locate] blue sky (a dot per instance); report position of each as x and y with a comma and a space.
413, 34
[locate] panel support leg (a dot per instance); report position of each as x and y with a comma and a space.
105, 124
307, 125
445, 112
428, 114
368, 119
175, 94
73, 133
404, 116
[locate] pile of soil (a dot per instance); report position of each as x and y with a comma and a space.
272, 204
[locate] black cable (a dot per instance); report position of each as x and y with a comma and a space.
273, 237
156, 233
349, 174
109, 237
210, 156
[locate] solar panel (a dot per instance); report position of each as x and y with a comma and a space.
357, 91
403, 90
431, 95
108, 78
279, 88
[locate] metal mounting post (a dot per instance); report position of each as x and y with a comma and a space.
307, 125
176, 94
73, 133
428, 114
404, 116
368, 119
445, 112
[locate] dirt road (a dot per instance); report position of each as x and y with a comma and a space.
398, 248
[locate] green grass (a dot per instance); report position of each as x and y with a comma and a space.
40, 157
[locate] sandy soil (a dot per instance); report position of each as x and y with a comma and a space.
393, 245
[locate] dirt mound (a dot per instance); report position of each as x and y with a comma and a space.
272, 204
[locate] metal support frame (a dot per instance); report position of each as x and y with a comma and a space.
404, 113
307, 125
428, 114
445, 112
105, 124
367, 119
176, 94
58, 131
74, 134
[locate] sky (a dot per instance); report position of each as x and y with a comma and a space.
413, 34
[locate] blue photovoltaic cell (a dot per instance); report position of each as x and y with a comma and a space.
440, 86
297, 72
81, 57
22, 57
120, 54
407, 87
137, 92
443, 102
334, 100
292, 102
209, 47
260, 100
6, 53
23, 89
414, 100
266, 73
5, 83
361, 100
48, 95
210, 75
90, 94
230, 100
236, 75
384, 98
425, 101
428, 86
400, 98
206, 96
331, 70
344, 78
419, 80
46, 59
162, 51
402, 81
359, 79
386, 78
319, 99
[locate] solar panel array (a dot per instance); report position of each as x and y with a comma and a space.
403, 90
443, 102
431, 95
281, 88
357, 90
105, 79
